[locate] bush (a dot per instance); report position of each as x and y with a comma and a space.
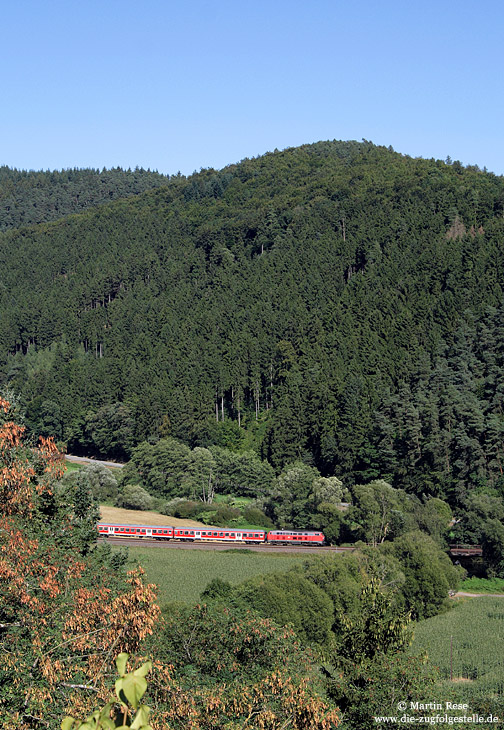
168, 508
255, 516
97, 478
188, 509
134, 497
222, 516
289, 598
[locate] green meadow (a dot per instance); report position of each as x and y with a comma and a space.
466, 644
181, 575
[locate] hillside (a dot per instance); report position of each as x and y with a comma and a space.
317, 303
28, 197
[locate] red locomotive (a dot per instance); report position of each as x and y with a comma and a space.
213, 534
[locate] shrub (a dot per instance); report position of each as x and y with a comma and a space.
188, 509
222, 516
255, 516
168, 508
134, 497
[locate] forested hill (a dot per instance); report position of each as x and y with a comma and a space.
314, 303
37, 197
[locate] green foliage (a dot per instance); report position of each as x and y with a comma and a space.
134, 497
75, 493
380, 512
434, 518
428, 571
217, 588
112, 430
170, 469
129, 689
378, 627
184, 508
374, 687
100, 480
340, 577
223, 515
255, 516
479, 511
492, 544
159, 468
205, 311
289, 501
29, 197
243, 645
482, 585
290, 599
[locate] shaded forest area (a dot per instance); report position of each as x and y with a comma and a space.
337, 303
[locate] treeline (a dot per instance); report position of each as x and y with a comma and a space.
306, 305
184, 483
29, 198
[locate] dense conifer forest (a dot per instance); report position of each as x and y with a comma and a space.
337, 303
28, 198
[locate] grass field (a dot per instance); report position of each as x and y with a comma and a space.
72, 466
181, 575
467, 644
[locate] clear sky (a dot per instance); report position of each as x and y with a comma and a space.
203, 83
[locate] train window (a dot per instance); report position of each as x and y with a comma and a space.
192, 532
221, 534
143, 532
231, 534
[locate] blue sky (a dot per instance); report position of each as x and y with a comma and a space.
179, 86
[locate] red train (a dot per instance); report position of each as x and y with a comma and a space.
213, 534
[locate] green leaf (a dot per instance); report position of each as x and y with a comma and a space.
118, 690
67, 723
143, 670
106, 722
121, 662
141, 718
133, 688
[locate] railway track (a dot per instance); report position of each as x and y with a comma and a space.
182, 545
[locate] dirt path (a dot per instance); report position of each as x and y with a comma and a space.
84, 460
463, 594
